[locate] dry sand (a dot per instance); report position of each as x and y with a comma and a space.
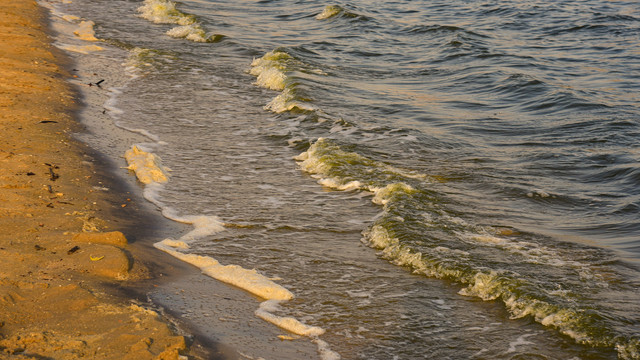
59, 251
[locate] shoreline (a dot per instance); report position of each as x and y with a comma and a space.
221, 319
216, 320
232, 161
67, 274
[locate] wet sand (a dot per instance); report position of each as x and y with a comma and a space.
62, 256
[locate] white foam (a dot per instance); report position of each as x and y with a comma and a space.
379, 238
85, 31
164, 12
485, 286
270, 78
335, 184
176, 244
286, 101
249, 280
204, 225
550, 316
325, 352
629, 350
68, 18
314, 161
309, 160
271, 73
383, 196
266, 312
149, 170
193, 32
82, 49
147, 166
288, 323
273, 60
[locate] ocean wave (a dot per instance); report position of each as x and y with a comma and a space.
415, 230
333, 11
165, 12
272, 71
520, 297
531, 252
269, 70
341, 169
194, 32
288, 100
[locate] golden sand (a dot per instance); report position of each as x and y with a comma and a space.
57, 245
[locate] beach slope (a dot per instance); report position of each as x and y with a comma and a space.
59, 252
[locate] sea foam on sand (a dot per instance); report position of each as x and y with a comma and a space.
149, 171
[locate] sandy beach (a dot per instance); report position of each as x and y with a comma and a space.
203, 179
61, 253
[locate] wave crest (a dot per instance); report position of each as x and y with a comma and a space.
416, 230
272, 72
332, 11
165, 12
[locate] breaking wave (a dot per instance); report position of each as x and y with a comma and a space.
416, 230
166, 12
273, 71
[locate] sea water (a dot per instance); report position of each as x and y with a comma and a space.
394, 180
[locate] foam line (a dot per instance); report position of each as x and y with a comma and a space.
249, 280
290, 324
149, 171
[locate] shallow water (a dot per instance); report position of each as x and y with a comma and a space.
428, 179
